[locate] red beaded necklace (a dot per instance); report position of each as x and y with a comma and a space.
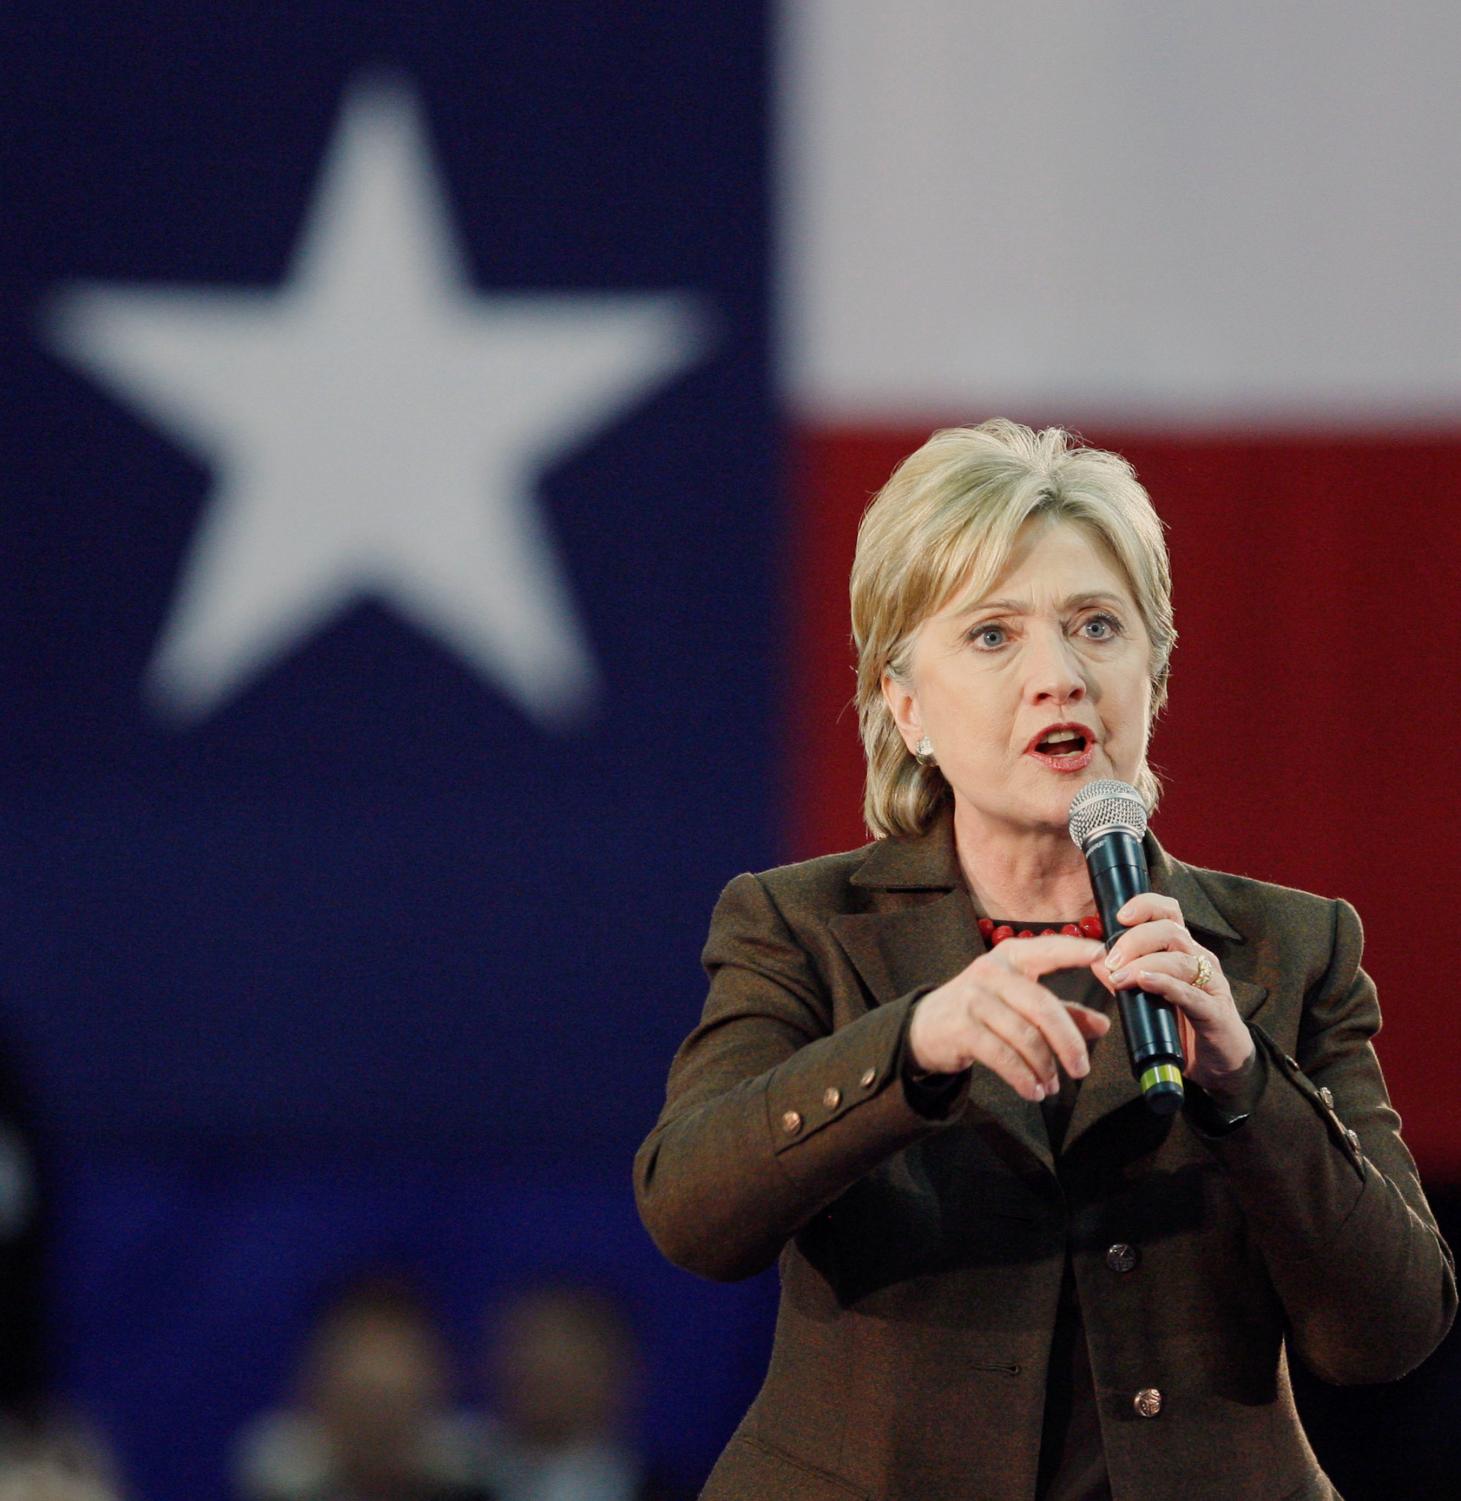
1087, 927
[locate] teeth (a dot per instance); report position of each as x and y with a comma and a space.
1061, 735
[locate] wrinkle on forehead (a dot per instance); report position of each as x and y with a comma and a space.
977, 585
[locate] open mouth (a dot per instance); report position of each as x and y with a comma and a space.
1067, 747
1062, 743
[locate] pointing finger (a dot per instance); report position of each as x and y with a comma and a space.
1092, 1024
1033, 957
1054, 1021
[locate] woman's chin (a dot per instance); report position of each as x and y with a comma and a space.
1040, 798
1051, 809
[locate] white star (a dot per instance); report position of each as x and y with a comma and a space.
375, 428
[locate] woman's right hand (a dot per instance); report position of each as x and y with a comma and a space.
995, 1013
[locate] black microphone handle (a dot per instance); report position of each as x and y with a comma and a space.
1117, 866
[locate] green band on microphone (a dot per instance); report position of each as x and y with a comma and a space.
1162, 1076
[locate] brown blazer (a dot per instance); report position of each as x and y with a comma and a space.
921, 1258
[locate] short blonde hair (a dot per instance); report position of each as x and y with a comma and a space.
946, 522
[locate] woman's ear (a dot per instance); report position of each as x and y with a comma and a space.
902, 704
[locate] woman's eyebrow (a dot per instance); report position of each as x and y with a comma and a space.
1016, 606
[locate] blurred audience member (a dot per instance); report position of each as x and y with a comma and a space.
563, 1373
23, 1384
54, 1460
47, 1452
371, 1421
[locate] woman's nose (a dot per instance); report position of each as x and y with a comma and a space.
1055, 672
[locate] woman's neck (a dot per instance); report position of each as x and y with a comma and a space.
1034, 875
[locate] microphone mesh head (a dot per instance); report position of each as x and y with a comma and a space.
1106, 804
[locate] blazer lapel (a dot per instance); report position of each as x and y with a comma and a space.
922, 931
910, 943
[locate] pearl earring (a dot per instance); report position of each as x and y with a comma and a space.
923, 752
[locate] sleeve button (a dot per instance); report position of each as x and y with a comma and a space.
1147, 1402
791, 1122
1327, 1095
832, 1098
1352, 1137
869, 1078
1122, 1257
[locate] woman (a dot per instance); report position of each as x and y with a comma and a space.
1002, 1276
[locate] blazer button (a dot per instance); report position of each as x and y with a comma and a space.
1121, 1257
1147, 1402
791, 1122
869, 1077
832, 1099
1327, 1095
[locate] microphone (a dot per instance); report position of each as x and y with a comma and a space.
1107, 820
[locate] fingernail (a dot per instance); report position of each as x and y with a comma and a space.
1082, 1066
1113, 958
1039, 1092
1117, 976
1052, 1085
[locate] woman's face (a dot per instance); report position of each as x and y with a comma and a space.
1056, 646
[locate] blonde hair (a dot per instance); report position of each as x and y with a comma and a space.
947, 521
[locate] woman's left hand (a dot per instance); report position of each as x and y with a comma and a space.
1157, 954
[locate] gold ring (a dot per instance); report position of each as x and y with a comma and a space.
1202, 972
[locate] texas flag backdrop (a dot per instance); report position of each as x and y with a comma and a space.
433, 442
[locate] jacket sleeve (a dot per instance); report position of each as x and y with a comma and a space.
1331, 1193
770, 1114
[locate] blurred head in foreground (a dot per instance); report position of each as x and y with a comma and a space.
562, 1367
370, 1420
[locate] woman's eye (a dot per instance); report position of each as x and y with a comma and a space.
1101, 627
989, 636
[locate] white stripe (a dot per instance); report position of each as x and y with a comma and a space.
1175, 211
